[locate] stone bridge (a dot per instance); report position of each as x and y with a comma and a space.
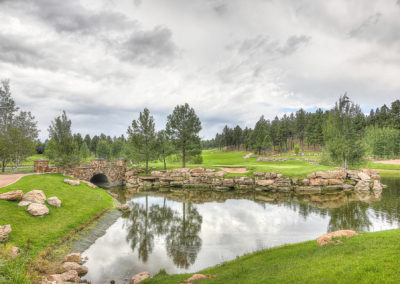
100, 170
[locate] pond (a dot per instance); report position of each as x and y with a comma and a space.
186, 231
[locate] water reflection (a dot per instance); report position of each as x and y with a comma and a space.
180, 230
186, 231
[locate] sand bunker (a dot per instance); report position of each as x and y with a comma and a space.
389, 162
235, 170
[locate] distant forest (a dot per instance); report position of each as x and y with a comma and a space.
306, 130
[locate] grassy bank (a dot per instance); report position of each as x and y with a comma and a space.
367, 258
80, 204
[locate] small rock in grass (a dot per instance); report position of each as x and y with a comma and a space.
139, 277
15, 252
54, 201
72, 182
35, 196
24, 203
4, 232
328, 238
38, 210
73, 257
12, 195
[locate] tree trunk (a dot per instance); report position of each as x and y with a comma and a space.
165, 164
147, 166
3, 168
183, 157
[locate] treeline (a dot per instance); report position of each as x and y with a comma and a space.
18, 130
381, 128
143, 143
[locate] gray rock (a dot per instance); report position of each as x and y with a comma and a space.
4, 232
35, 196
38, 210
54, 201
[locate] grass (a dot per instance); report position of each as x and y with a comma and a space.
214, 159
80, 204
367, 258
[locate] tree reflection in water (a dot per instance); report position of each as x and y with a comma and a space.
183, 242
181, 231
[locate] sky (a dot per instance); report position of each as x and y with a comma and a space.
104, 61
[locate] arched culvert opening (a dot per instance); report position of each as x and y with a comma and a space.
100, 180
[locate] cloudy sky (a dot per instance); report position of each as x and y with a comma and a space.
103, 61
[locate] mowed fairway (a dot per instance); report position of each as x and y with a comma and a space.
79, 205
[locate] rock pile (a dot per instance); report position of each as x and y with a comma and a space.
210, 179
69, 271
34, 199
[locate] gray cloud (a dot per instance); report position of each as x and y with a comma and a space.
152, 48
104, 61
366, 24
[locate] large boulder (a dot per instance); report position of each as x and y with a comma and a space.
67, 266
362, 186
124, 208
4, 232
12, 195
54, 201
35, 196
37, 209
318, 182
72, 182
328, 238
377, 186
330, 174
139, 277
363, 176
265, 182
69, 276
220, 174
73, 257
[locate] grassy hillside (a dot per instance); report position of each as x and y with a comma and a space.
80, 204
367, 258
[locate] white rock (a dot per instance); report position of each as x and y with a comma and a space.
54, 201
35, 196
38, 210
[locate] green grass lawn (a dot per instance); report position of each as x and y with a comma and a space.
79, 205
215, 159
367, 258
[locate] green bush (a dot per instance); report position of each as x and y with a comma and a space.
297, 149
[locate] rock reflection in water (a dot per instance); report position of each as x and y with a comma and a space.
186, 231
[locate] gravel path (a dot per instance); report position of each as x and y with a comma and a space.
7, 179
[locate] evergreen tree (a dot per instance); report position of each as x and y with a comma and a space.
84, 151
165, 147
62, 146
342, 139
183, 127
103, 150
142, 136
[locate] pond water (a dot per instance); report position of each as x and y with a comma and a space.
186, 231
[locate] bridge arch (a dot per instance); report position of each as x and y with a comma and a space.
99, 178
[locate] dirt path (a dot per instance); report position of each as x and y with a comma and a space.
389, 162
7, 179
235, 170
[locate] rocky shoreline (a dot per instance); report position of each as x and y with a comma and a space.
200, 178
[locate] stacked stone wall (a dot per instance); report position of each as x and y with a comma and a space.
216, 180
